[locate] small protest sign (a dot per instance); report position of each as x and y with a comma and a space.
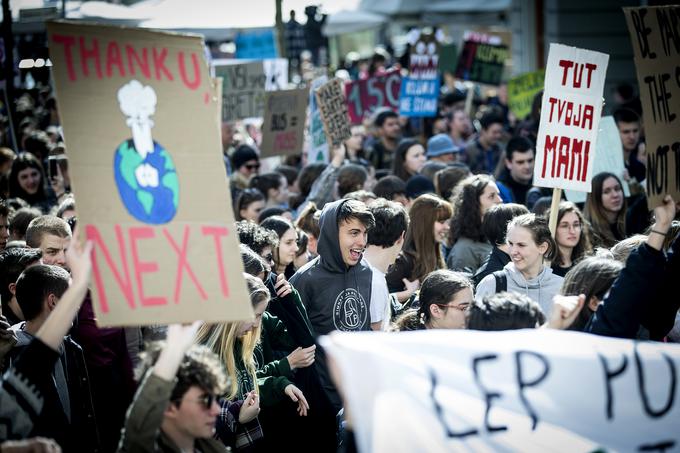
608, 157
364, 96
418, 97
242, 90
140, 117
256, 44
424, 57
520, 390
522, 90
276, 70
656, 44
570, 115
284, 122
318, 148
333, 111
482, 62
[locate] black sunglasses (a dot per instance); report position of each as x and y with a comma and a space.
252, 166
206, 400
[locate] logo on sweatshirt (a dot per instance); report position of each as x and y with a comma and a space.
350, 311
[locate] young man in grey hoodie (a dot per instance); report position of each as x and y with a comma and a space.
335, 287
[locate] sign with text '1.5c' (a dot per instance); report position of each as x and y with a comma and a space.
140, 116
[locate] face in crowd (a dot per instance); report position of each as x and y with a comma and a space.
524, 252
353, 237
612, 195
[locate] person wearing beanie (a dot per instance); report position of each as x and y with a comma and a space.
440, 148
245, 163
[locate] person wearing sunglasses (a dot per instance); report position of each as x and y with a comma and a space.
445, 297
245, 163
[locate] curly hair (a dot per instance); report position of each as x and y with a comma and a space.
467, 210
256, 237
200, 367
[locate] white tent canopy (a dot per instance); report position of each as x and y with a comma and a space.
352, 22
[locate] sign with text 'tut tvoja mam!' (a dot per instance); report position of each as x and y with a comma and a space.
570, 115
141, 122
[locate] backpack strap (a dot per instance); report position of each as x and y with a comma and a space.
501, 281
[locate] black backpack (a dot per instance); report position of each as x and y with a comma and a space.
501, 281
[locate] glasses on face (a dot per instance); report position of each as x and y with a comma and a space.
252, 167
464, 307
206, 400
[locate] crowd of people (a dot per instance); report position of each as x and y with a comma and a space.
405, 228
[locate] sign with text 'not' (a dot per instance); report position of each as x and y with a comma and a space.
570, 114
530, 390
141, 120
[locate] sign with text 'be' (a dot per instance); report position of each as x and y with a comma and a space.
655, 35
284, 122
531, 390
333, 110
570, 114
141, 120
365, 96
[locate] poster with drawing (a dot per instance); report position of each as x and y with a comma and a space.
141, 121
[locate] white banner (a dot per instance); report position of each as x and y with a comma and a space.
570, 113
524, 390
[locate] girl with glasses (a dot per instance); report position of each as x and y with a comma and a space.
572, 237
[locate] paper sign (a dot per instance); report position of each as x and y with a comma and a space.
522, 90
140, 117
276, 70
284, 122
258, 44
242, 90
608, 157
482, 62
656, 44
524, 390
570, 114
418, 97
318, 149
364, 96
333, 110
424, 58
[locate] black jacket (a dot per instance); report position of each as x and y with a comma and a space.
496, 261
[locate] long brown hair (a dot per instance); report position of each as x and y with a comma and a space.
468, 219
595, 213
584, 246
420, 244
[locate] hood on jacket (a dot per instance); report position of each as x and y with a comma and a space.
328, 247
540, 280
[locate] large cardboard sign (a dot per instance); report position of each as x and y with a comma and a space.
524, 390
608, 157
333, 111
482, 62
318, 148
522, 90
284, 122
141, 123
243, 89
364, 96
570, 114
655, 36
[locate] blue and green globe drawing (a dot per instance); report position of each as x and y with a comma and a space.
152, 202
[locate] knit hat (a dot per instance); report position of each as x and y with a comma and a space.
441, 144
243, 154
418, 185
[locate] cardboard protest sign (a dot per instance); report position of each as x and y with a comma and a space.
522, 90
333, 111
608, 157
243, 90
256, 44
318, 148
519, 390
364, 96
570, 114
482, 62
141, 122
656, 44
284, 122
